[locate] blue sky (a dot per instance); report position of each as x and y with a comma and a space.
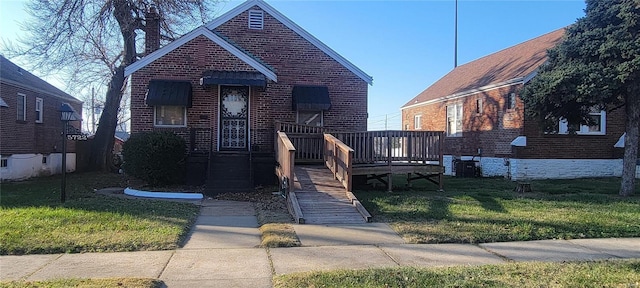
405, 45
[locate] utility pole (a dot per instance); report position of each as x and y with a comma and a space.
455, 45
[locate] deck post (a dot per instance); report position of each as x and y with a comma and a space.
389, 153
441, 156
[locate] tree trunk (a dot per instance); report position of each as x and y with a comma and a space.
102, 144
632, 109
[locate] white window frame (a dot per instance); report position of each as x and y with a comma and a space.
256, 19
321, 115
39, 109
417, 122
563, 127
511, 101
479, 108
458, 112
155, 123
4, 162
24, 107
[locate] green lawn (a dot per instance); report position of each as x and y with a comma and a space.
488, 210
621, 273
33, 221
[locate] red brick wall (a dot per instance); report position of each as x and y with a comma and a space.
491, 131
294, 60
496, 127
26, 137
540, 145
298, 62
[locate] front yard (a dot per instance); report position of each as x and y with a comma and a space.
33, 221
488, 210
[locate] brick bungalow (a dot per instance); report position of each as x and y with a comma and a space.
223, 85
479, 107
30, 126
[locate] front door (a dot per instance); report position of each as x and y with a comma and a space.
234, 113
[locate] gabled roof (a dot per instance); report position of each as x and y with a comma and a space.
12, 74
251, 61
293, 26
512, 65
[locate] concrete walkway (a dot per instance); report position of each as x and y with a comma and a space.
222, 251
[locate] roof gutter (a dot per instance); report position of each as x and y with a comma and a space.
514, 81
72, 99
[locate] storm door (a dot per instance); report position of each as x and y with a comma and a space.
234, 112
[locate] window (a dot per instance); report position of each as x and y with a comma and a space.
39, 110
599, 118
454, 120
479, 106
171, 116
417, 120
21, 107
4, 162
511, 101
312, 118
256, 19
44, 159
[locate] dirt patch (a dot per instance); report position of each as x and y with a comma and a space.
271, 207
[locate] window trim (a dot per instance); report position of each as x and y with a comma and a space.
155, 112
39, 110
563, 126
310, 111
458, 118
24, 107
417, 121
479, 106
511, 101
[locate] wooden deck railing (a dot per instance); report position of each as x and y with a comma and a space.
338, 158
285, 155
306, 139
377, 147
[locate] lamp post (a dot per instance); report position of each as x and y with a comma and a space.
67, 114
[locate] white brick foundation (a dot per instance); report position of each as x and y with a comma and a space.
520, 169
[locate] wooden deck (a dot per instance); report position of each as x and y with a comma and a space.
316, 194
323, 199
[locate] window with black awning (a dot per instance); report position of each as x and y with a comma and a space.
169, 93
311, 98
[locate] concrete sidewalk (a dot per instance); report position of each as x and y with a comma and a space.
222, 251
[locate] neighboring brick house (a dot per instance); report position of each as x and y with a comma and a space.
478, 106
223, 85
30, 126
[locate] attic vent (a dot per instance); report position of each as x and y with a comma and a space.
256, 19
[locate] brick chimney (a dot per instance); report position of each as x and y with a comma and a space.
151, 31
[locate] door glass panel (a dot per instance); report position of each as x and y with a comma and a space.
234, 115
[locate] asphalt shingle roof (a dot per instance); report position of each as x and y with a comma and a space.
508, 64
13, 73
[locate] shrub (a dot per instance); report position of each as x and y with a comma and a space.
156, 157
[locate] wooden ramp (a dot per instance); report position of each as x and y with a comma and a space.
323, 200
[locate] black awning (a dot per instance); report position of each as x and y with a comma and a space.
169, 93
213, 77
311, 98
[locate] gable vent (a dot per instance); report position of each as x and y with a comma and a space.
256, 19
